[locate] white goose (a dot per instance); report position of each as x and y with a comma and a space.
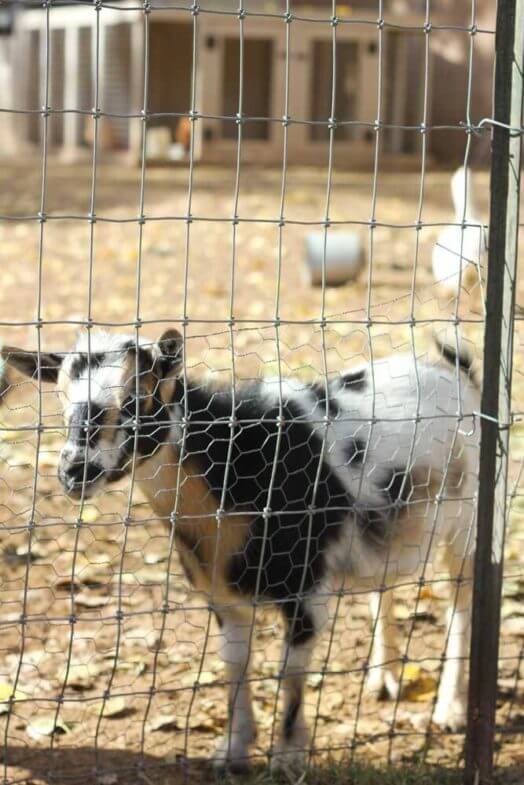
460, 253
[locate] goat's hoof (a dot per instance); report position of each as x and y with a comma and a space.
290, 761
450, 715
382, 684
230, 757
232, 767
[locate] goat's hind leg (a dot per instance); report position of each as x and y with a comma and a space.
232, 751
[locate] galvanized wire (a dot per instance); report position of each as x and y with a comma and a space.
331, 19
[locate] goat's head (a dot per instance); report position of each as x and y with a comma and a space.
115, 395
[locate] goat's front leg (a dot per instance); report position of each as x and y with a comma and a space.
303, 621
384, 663
451, 706
233, 749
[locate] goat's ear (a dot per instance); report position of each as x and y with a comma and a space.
27, 363
170, 353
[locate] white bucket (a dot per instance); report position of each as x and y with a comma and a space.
344, 257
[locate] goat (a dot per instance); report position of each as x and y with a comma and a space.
460, 254
280, 491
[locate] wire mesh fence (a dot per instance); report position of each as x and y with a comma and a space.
238, 502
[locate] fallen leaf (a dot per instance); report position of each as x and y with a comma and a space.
109, 778
89, 514
134, 664
150, 576
173, 758
163, 722
155, 558
513, 588
203, 722
334, 701
6, 691
37, 552
170, 722
87, 600
513, 552
216, 664
314, 680
514, 626
21, 553
209, 705
99, 559
47, 460
79, 675
421, 689
411, 672
511, 608
427, 593
205, 677
96, 573
401, 611
181, 666
46, 726
345, 729
143, 635
10, 436
113, 707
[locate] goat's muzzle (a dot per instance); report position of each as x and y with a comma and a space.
79, 478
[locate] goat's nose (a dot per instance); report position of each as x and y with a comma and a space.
73, 473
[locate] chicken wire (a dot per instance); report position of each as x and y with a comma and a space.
134, 684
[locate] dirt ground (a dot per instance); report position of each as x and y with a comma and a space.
109, 688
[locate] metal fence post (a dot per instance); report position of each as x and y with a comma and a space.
496, 393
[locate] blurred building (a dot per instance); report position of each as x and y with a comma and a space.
259, 68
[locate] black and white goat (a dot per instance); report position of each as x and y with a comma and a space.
276, 497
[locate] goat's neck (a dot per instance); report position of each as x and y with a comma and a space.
157, 478
161, 475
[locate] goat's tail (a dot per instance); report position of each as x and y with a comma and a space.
462, 358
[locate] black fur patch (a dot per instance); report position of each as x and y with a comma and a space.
354, 451
301, 627
290, 718
85, 424
154, 423
27, 362
354, 380
319, 391
376, 525
398, 486
449, 353
77, 471
277, 546
145, 360
80, 363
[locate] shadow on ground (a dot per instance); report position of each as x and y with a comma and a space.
88, 766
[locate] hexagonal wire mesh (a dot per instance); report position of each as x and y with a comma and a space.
231, 484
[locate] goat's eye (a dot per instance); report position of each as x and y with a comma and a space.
91, 425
